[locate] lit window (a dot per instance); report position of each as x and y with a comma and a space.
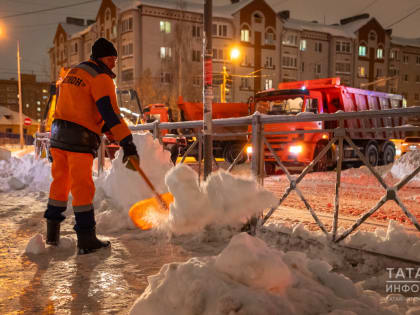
38, 109
165, 52
362, 72
268, 84
303, 44
362, 50
380, 53
245, 35
165, 27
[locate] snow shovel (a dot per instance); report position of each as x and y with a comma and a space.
158, 203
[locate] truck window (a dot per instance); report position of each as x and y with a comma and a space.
152, 118
311, 105
283, 105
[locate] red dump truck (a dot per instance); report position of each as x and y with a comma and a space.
326, 96
178, 141
227, 147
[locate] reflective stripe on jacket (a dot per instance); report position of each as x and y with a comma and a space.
87, 98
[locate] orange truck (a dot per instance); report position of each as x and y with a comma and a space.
227, 147
326, 96
178, 141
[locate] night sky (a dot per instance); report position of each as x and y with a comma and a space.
36, 31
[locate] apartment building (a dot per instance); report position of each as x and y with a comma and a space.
34, 96
160, 46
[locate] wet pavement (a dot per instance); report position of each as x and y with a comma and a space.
61, 282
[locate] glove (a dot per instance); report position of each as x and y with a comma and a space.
109, 136
130, 151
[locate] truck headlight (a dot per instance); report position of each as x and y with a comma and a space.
295, 149
249, 149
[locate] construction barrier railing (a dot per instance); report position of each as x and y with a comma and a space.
339, 135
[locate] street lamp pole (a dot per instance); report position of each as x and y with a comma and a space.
20, 97
207, 89
223, 86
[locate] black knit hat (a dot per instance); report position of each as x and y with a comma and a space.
103, 48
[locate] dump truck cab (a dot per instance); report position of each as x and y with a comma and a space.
327, 96
295, 150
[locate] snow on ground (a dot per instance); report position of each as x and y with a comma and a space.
248, 276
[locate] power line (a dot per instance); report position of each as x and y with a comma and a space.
368, 6
403, 18
46, 10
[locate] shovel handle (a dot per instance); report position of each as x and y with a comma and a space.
149, 183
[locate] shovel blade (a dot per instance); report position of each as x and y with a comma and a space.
140, 210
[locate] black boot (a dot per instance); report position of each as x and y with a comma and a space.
53, 232
87, 242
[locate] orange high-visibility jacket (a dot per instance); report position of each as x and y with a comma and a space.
87, 97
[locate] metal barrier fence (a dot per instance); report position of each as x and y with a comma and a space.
339, 135
13, 138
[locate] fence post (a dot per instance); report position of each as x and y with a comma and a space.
101, 156
156, 134
257, 163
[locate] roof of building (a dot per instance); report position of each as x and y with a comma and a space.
415, 42
124, 5
82, 32
218, 11
71, 29
347, 30
9, 117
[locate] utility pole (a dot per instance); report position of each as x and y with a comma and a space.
223, 86
207, 88
20, 98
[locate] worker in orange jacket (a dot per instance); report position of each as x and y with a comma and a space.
86, 107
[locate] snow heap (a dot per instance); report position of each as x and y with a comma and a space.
26, 172
406, 164
224, 199
393, 242
119, 188
36, 245
248, 277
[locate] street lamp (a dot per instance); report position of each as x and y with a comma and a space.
2, 34
234, 55
20, 97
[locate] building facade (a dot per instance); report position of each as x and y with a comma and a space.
34, 96
160, 48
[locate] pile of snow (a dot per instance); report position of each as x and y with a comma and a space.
224, 199
248, 277
393, 242
406, 164
26, 172
119, 188
36, 245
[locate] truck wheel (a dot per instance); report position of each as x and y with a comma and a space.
231, 151
372, 154
322, 165
174, 153
270, 168
388, 155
